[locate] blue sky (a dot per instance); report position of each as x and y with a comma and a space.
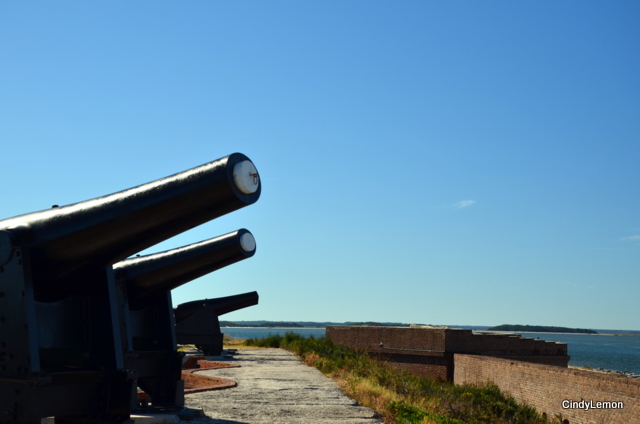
425, 162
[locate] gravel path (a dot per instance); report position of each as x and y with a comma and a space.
275, 387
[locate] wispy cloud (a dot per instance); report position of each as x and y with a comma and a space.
631, 238
463, 204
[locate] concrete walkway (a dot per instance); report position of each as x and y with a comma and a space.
275, 387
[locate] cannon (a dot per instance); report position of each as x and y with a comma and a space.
148, 280
161, 272
197, 321
64, 330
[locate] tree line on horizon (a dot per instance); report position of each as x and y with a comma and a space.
503, 327
540, 329
283, 324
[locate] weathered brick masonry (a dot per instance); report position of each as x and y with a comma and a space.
414, 359
533, 371
545, 387
428, 352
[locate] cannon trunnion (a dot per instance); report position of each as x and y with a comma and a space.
71, 346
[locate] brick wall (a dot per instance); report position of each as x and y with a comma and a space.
451, 354
465, 341
545, 387
419, 341
435, 367
369, 338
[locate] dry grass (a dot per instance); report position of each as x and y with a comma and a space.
182, 348
242, 347
371, 395
365, 391
231, 343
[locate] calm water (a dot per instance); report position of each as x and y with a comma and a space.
258, 333
620, 353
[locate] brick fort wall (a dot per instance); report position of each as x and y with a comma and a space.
545, 387
461, 356
435, 364
417, 342
369, 338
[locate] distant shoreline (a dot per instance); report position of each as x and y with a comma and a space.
279, 328
493, 331
553, 332
515, 328
617, 334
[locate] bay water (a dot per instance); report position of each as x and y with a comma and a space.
611, 352
606, 351
260, 333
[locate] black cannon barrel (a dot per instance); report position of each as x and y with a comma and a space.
70, 244
147, 275
222, 305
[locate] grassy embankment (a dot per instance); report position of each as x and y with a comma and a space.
401, 398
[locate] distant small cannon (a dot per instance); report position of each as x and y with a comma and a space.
65, 322
197, 321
